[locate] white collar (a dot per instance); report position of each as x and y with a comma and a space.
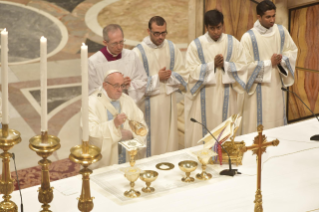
262, 30
147, 40
210, 40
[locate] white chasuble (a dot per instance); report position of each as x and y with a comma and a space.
103, 132
264, 101
213, 91
128, 64
159, 104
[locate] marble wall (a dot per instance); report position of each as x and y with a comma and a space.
304, 30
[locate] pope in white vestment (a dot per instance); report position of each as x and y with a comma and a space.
102, 121
114, 57
213, 91
265, 102
159, 105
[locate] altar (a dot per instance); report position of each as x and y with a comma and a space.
290, 181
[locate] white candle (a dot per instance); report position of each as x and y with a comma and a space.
4, 76
43, 68
85, 93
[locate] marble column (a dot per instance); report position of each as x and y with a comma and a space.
195, 19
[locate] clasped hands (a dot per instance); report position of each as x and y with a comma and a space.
219, 61
164, 74
276, 59
118, 121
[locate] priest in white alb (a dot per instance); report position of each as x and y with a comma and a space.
163, 63
271, 56
114, 56
109, 110
216, 66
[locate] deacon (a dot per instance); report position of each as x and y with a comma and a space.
113, 56
216, 66
271, 56
163, 64
109, 110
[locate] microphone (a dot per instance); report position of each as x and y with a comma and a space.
230, 171
13, 157
314, 137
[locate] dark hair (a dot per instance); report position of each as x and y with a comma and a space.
264, 6
158, 20
213, 18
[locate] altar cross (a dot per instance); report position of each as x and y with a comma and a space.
258, 148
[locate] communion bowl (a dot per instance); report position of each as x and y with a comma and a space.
132, 173
148, 176
188, 165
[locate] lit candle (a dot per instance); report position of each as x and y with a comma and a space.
85, 93
4, 76
43, 68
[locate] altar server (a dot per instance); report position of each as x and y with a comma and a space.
113, 56
271, 57
107, 127
216, 66
163, 64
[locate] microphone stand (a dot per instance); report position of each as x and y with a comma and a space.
314, 137
230, 171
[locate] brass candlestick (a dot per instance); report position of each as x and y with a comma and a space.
8, 138
85, 155
258, 148
44, 145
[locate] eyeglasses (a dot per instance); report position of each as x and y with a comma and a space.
157, 34
117, 86
121, 43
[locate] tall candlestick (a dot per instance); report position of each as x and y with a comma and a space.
4, 76
43, 67
85, 93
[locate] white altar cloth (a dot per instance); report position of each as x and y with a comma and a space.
290, 182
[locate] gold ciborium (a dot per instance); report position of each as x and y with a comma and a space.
148, 176
203, 156
85, 155
8, 138
44, 145
188, 166
137, 127
132, 174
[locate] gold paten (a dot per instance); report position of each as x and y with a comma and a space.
148, 176
188, 166
258, 148
169, 166
44, 145
85, 155
8, 138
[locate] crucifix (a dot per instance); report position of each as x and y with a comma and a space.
258, 148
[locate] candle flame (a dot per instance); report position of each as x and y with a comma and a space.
83, 44
42, 38
5, 29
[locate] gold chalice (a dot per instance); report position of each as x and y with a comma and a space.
132, 154
188, 166
132, 174
148, 176
203, 156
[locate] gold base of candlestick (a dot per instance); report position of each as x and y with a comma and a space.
44, 145
8, 138
258, 201
85, 155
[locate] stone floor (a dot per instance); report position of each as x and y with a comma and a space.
67, 24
